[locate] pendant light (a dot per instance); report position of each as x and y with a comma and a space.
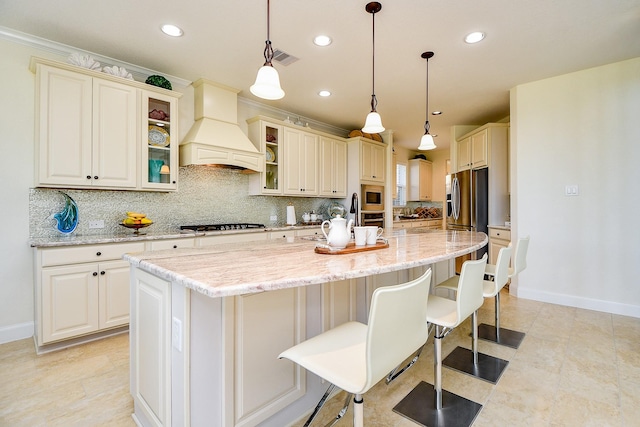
373, 123
426, 143
267, 85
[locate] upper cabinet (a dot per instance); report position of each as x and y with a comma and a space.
420, 180
480, 147
267, 137
298, 161
371, 155
91, 127
159, 168
333, 167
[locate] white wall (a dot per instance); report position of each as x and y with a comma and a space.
16, 175
579, 129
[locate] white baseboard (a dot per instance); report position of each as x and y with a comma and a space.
580, 302
16, 332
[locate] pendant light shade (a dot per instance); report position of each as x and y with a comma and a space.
373, 123
426, 142
267, 85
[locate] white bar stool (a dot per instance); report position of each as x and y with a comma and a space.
495, 333
355, 356
433, 406
472, 362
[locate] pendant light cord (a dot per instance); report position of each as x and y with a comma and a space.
268, 50
426, 124
374, 101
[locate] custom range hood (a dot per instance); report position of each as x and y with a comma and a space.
215, 138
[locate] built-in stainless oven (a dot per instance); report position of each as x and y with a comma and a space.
372, 218
372, 198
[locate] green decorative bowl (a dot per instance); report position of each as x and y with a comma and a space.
158, 81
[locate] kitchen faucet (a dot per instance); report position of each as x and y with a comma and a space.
354, 209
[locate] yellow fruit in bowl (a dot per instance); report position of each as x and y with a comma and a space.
128, 221
136, 215
146, 221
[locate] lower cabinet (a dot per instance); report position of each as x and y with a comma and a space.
81, 290
498, 238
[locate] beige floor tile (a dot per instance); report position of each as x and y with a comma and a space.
574, 410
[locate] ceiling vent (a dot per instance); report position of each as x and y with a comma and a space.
283, 57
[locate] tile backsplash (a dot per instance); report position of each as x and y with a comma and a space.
206, 195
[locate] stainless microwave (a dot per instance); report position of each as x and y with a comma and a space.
372, 198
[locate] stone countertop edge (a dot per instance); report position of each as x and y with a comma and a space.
216, 271
73, 240
417, 219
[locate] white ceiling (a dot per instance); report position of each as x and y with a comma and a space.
526, 41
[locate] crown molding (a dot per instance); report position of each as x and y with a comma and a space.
63, 50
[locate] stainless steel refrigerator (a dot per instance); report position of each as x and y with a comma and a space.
468, 193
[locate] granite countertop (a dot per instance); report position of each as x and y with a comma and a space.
250, 267
129, 236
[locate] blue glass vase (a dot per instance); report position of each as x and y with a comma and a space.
67, 219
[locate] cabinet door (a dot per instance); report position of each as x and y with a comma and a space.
114, 294
479, 149
426, 181
64, 127
159, 141
464, 154
300, 163
333, 168
372, 162
69, 301
115, 119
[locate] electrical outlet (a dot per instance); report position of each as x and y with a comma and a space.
273, 218
96, 223
176, 334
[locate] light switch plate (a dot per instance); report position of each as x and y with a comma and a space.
176, 333
571, 190
96, 223
273, 218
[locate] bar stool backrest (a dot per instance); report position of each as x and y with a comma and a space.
469, 296
520, 256
397, 326
502, 270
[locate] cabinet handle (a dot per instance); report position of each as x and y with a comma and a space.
95, 273
98, 253
95, 177
102, 273
173, 182
88, 176
175, 246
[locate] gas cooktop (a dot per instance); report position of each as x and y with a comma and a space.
221, 227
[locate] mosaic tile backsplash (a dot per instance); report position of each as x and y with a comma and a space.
206, 195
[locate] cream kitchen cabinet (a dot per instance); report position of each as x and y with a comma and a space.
481, 147
90, 129
333, 167
300, 163
372, 161
267, 137
81, 290
159, 154
499, 238
420, 180
183, 242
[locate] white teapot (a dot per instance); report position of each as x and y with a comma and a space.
339, 232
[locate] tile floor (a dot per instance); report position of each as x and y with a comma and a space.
574, 368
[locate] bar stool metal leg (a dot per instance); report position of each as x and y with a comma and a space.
437, 367
498, 335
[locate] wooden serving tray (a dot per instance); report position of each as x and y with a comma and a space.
351, 249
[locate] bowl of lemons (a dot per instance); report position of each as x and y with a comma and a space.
136, 221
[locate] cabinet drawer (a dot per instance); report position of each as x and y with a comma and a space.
87, 253
401, 225
231, 238
309, 232
496, 233
159, 245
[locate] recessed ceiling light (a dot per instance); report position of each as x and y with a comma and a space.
437, 113
322, 40
474, 37
172, 30
324, 93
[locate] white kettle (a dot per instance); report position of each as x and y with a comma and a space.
339, 232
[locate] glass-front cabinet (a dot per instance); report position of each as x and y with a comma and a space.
266, 136
159, 159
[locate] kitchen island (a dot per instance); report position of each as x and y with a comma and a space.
208, 323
